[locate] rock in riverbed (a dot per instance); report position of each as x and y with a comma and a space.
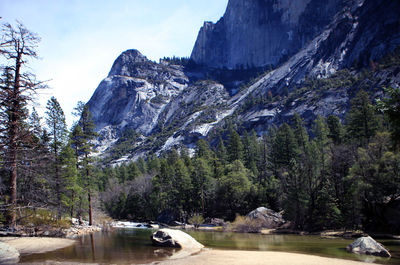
267, 217
174, 238
367, 245
8, 254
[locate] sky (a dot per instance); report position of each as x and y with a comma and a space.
80, 39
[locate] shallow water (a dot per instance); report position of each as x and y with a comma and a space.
314, 245
133, 246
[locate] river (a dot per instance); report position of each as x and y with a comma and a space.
133, 246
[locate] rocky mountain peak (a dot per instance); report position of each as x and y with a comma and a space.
126, 62
166, 105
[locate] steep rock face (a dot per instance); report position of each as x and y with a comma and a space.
157, 101
262, 32
361, 33
135, 93
167, 107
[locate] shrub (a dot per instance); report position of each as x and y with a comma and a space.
42, 217
196, 220
243, 224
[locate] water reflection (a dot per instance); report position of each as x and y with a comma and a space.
328, 247
117, 247
133, 246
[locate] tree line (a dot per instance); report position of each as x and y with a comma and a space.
334, 175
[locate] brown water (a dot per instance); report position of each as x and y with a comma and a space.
133, 246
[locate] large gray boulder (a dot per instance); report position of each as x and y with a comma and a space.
367, 245
174, 238
266, 217
8, 254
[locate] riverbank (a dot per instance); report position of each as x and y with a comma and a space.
240, 257
33, 245
73, 231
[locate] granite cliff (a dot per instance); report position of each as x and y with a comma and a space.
262, 32
164, 105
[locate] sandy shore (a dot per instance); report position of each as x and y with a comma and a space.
233, 257
30, 245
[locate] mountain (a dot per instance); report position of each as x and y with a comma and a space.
146, 107
262, 32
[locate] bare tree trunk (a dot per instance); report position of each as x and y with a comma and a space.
89, 192
90, 208
72, 204
12, 215
57, 175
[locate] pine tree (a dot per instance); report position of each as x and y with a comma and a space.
16, 87
70, 174
221, 152
390, 105
82, 135
362, 119
234, 186
181, 188
295, 199
378, 168
203, 150
251, 152
300, 132
336, 130
35, 124
58, 132
235, 147
203, 183
284, 148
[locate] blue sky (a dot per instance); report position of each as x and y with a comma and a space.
82, 38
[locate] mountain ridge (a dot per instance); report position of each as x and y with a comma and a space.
171, 105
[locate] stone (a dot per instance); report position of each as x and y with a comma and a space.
267, 217
218, 222
174, 238
8, 254
368, 246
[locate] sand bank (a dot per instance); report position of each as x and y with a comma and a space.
233, 257
30, 245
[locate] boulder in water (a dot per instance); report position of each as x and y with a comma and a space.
367, 245
174, 238
8, 254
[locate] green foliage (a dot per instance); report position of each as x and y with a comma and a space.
378, 170
42, 217
336, 130
196, 220
390, 105
284, 147
362, 119
55, 120
234, 186
71, 190
235, 147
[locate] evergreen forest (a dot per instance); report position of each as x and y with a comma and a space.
337, 173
